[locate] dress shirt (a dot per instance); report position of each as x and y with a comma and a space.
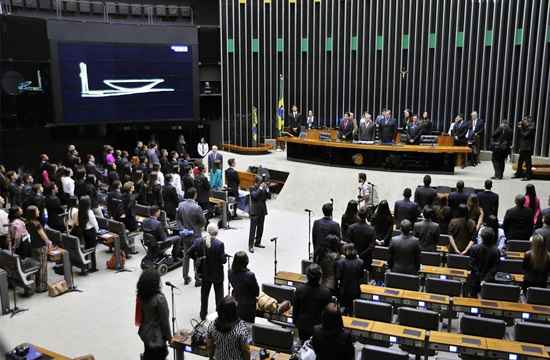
202, 149
3, 222
67, 184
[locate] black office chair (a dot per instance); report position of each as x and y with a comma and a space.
502, 292
518, 245
443, 287
478, 326
279, 292
418, 318
431, 258
444, 240
381, 253
271, 337
305, 265
538, 296
532, 333
510, 266
373, 310
402, 281
458, 261
371, 352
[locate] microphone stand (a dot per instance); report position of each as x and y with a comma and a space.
173, 315
309, 233
275, 258
228, 267
15, 310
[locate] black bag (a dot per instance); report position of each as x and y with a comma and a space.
200, 262
199, 333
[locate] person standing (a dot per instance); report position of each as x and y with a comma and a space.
346, 127
203, 148
349, 274
54, 208
457, 198
536, 264
245, 287
363, 237
532, 202
189, 221
152, 316
526, 137
215, 176
484, 259
209, 253
366, 128
294, 121
88, 228
258, 210
404, 251
425, 195
170, 197
518, 221
462, 230
39, 246
129, 203
323, 227
349, 218
330, 340
501, 144
475, 136
213, 157
405, 209
460, 131
544, 231
310, 120
388, 127
427, 231
488, 200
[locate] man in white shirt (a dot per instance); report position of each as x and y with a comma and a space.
3, 218
202, 148
67, 183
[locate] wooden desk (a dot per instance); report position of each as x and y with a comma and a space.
246, 180
497, 348
108, 238
517, 255
51, 354
457, 343
445, 272
289, 278
393, 333
502, 308
406, 297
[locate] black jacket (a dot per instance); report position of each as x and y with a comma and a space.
455, 199
154, 227
484, 262
330, 345
502, 139
203, 189
53, 205
141, 192
383, 227
155, 328
526, 138
488, 201
129, 205
309, 303
258, 198
232, 181
388, 129
214, 258
405, 209
545, 232
404, 255
171, 200
321, 228
349, 274
114, 204
518, 223
427, 233
362, 235
245, 287
424, 196
532, 275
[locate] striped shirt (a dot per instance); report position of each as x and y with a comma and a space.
229, 344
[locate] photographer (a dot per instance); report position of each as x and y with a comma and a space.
258, 210
526, 136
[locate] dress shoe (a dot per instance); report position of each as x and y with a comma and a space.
259, 246
93, 270
198, 283
186, 280
251, 250
516, 176
494, 177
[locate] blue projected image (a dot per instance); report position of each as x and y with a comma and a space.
126, 82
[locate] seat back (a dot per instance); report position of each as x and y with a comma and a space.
402, 281
381, 253
458, 261
371, 352
538, 296
279, 292
532, 333
143, 210
443, 286
53, 235
218, 194
117, 227
510, 266
275, 338
372, 310
305, 265
444, 240
478, 326
72, 245
8, 262
503, 292
430, 258
518, 245
103, 223
419, 318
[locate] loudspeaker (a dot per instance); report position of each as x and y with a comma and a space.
23, 39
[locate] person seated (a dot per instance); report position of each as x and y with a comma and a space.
518, 221
158, 235
427, 231
330, 340
404, 251
484, 259
536, 264
405, 209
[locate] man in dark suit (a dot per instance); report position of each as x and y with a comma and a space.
213, 156
114, 201
210, 254
388, 127
526, 137
501, 143
346, 127
425, 195
171, 198
362, 235
258, 210
323, 227
475, 135
488, 200
457, 197
154, 227
366, 128
232, 179
427, 231
547, 210
294, 121
518, 221
404, 251
203, 188
405, 209
413, 130
460, 131
544, 231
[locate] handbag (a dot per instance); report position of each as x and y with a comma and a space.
57, 288
306, 352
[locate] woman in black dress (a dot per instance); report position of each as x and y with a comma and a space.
349, 217
245, 287
383, 224
536, 264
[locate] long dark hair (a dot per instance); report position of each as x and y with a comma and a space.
351, 211
227, 314
531, 193
148, 284
84, 206
240, 262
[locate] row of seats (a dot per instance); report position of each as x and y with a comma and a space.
101, 8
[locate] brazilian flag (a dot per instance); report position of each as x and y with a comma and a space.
280, 108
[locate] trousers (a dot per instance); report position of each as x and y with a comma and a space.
499, 158
256, 230
205, 294
524, 157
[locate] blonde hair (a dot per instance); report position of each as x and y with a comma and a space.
212, 230
127, 186
538, 252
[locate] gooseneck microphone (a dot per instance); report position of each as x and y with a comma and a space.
168, 283
307, 210
273, 239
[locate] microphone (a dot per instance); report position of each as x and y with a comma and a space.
168, 283
332, 201
227, 256
306, 210
371, 184
274, 239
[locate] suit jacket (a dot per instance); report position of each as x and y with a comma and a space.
526, 137
367, 131
329, 345
388, 129
349, 273
414, 131
232, 180
455, 199
477, 130
155, 227
460, 131
488, 201
405, 209
309, 303
345, 129
212, 266
502, 139
155, 320
129, 205
294, 121
245, 287
171, 200
114, 204
189, 216
427, 233
518, 223
484, 262
424, 196
53, 205
321, 228
258, 198
203, 189
362, 235
404, 255
213, 157
544, 231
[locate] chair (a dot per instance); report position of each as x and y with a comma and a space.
45, 5
371, 352
173, 11
502, 292
80, 258
532, 333
479, 326
123, 9
458, 261
279, 292
186, 12
160, 10
305, 265
381, 253
271, 337
402, 281
373, 310
31, 4
136, 10
444, 240
54, 235
12, 265
143, 210
125, 237
538, 296
510, 266
430, 258
443, 287
518, 245
419, 318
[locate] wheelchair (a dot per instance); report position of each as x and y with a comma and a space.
156, 256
